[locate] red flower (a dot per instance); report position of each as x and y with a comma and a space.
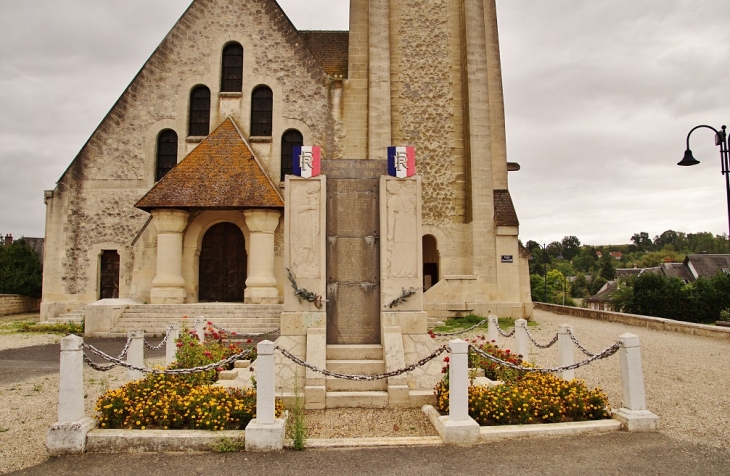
179, 344
446, 359
248, 341
233, 333
192, 344
209, 323
185, 317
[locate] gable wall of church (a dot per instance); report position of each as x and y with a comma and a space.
117, 165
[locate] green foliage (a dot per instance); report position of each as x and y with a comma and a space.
656, 295
571, 247
21, 271
608, 268
493, 370
296, 428
452, 325
60, 328
229, 445
579, 287
216, 346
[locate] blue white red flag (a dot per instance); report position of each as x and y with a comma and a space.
306, 160
402, 161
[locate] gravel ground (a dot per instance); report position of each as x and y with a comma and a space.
685, 376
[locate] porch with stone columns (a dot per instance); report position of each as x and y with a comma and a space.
261, 282
168, 285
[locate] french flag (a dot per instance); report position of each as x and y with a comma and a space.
306, 160
402, 161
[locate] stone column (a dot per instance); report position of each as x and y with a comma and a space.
521, 346
168, 285
171, 344
68, 434
265, 432
492, 326
261, 282
633, 413
135, 353
565, 351
459, 428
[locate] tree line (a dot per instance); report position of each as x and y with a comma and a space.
20, 269
580, 271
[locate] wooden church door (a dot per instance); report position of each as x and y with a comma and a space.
222, 265
109, 281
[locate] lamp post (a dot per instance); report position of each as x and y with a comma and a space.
721, 140
544, 264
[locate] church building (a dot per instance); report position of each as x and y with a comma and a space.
185, 195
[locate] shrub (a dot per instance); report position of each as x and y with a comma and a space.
534, 398
171, 402
493, 370
215, 347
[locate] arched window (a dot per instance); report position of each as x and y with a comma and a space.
166, 152
291, 138
262, 106
199, 121
232, 68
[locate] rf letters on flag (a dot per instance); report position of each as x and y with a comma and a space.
401, 161
306, 160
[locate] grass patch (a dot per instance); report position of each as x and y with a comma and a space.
229, 445
60, 328
460, 323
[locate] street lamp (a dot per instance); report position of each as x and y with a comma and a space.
721, 140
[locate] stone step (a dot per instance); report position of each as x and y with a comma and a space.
358, 367
211, 307
356, 399
343, 385
69, 317
355, 352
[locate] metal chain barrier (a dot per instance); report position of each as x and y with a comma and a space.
446, 334
202, 368
392, 373
158, 346
578, 344
602, 355
505, 334
538, 345
126, 348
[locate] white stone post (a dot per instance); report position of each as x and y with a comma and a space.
68, 435
565, 351
171, 344
135, 354
200, 330
71, 384
492, 326
261, 282
458, 427
265, 432
521, 346
633, 413
168, 285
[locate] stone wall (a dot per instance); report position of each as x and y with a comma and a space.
655, 323
17, 304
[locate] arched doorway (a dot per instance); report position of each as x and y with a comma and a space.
222, 265
430, 261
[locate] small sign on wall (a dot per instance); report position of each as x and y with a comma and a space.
402, 161
306, 160
507, 259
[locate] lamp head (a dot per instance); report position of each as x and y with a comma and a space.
688, 159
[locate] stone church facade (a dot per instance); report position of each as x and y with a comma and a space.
179, 196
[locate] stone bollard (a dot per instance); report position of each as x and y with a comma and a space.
633, 414
200, 330
68, 435
171, 344
265, 432
459, 428
492, 326
135, 354
565, 351
521, 347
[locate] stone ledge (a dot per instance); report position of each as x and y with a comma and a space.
140, 441
371, 442
491, 433
655, 323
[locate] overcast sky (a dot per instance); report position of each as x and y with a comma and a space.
599, 97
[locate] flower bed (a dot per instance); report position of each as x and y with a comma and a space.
184, 401
524, 397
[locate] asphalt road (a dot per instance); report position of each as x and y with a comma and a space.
17, 365
608, 454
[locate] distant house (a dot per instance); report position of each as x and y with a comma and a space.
693, 267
